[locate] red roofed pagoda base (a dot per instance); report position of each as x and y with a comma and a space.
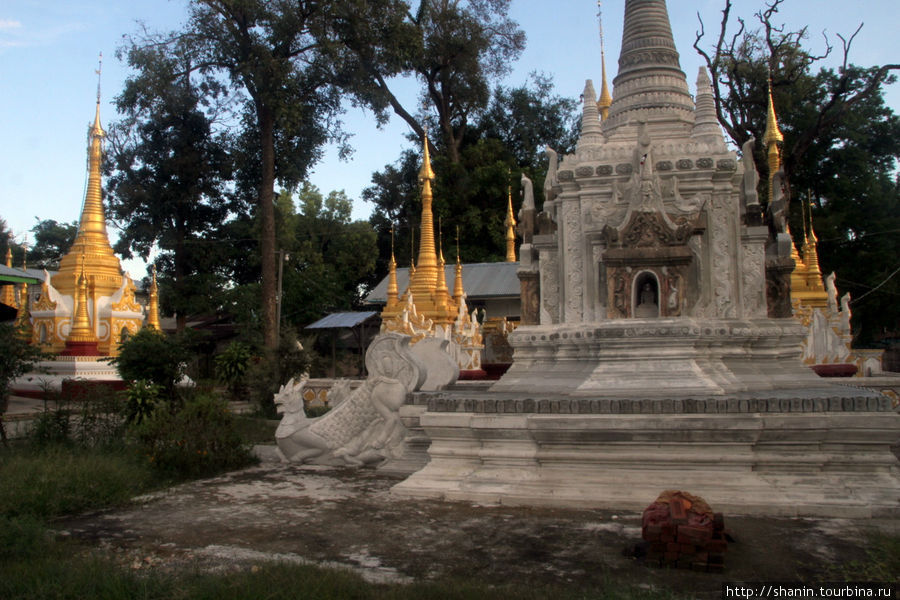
80, 349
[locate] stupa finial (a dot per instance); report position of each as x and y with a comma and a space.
393, 291
423, 281
510, 224
605, 100
153, 312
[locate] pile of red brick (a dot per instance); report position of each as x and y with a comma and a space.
682, 531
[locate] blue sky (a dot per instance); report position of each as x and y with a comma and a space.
49, 50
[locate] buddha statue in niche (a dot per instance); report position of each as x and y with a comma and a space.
646, 302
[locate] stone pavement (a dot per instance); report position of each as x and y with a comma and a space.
348, 518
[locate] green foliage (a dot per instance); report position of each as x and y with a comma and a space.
471, 192
274, 369
55, 481
232, 365
195, 440
143, 397
17, 357
152, 356
52, 240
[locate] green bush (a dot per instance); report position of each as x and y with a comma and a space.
151, 355
232, 365
94, 419
195, 440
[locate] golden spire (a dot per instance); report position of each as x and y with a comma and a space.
8, 292
811, 252
91, 245
442, 294
393, 292
458, 290
772, 140
412, 253
153, 304
23, 315
423, 281
510, 224
81, 321
605, 100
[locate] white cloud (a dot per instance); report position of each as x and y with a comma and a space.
9, 24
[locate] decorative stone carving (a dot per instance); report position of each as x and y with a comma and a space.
574, 263
604, 170
551, 179
705, 163
684, 164
721, 245
664, 165
566, 175
584, 171
624, 169
778, 205
549, 270
753, 279
364, 427
726, 164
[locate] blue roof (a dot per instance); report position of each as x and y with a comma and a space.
480, 280
342, 320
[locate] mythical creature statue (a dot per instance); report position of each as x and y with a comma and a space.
364, 426
751, 177
778, 203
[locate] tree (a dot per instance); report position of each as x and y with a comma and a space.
52, 240
271, 53
17, 356
455, 48
740, 61
170, 169
330, 257
840, 151
505, 142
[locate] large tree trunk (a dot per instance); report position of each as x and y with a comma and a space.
267, 224
181, 315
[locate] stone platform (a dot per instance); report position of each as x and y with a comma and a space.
822, 451
50, 374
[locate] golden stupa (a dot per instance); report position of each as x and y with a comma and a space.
89, 302
431, 297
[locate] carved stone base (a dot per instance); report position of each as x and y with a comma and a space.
657, 358
529, 283
823, 452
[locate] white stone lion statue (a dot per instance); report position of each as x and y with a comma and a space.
364, 426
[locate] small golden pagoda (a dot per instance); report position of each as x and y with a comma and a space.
89, 296
427, 281
510, 223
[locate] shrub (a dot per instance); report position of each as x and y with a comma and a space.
232, 365
195, 440
151, 355
143, 398
16, 358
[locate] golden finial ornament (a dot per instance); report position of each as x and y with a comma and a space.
23, 315
442, 293
605, 99
153, 304
458, 291
393, 291
510, 224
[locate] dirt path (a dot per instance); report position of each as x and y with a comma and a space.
345, 517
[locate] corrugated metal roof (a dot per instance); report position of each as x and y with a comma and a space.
13, 274
480, 280
342, 320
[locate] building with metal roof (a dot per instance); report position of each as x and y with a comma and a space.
491, 286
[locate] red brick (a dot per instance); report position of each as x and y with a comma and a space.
677, 511
718, 521
694, 535
666, 537
716, 559
698, 566
673, 547
717, 545
668, 529
688, 548
670, 556
657, 546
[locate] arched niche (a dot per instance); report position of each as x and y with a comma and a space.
645, 296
